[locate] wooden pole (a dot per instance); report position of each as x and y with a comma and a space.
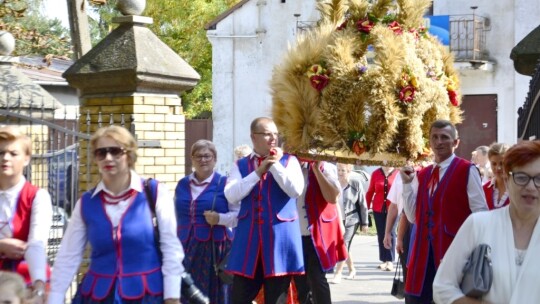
78, 23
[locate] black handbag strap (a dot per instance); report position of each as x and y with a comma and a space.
214, 261
397, 274
150, 197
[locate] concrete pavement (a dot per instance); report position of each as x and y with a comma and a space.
371, 284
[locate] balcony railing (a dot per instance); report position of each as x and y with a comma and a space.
468, 37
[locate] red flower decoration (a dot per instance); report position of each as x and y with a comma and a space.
396, 27
319, 82
453, 98
365, 25
343, 25
407, 94
358, 147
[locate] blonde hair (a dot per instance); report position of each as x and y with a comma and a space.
122, 136
12, 133
16, 282
242, 151
497, 149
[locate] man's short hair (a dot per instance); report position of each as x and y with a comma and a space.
441, 124
257, 122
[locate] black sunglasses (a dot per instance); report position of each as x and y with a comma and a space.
101, 153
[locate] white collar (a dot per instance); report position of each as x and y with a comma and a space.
13, 192
445, 163
135, 184
207, 180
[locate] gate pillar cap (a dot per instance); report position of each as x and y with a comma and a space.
131, 59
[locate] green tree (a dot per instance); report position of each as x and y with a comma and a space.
35, 34
180, 24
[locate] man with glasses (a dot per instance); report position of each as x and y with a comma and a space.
267, 247
437, 199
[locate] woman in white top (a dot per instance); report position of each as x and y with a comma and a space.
126, 263
512, 232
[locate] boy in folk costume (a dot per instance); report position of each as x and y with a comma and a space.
25, 214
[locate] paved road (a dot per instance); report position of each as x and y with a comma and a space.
371, 285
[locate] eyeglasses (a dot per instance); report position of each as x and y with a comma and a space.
523, 179
203, 157
267, 134
101, 153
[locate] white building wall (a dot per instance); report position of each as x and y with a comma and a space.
249, 42
510, 22
245, 46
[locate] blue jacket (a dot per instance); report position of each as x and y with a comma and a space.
131, 257
268, 228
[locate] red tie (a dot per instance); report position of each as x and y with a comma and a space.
434, 180
259, 160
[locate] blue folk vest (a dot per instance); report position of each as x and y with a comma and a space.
268, 228
127, 254
189, 212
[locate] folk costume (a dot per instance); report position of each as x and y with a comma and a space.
125, 264
26, 215
267, 242
322, 237
192, 199
438, 209
492, 196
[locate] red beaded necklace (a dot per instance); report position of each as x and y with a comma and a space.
114, 200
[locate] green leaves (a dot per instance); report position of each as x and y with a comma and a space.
180, 24
35, 34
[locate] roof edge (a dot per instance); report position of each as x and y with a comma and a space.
212, 24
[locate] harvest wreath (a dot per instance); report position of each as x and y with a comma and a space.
365, 84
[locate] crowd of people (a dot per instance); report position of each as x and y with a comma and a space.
276, 223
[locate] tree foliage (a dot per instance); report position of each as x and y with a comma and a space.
35, 34
180, 24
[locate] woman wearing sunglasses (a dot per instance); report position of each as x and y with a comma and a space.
512, 232
126, 265
203, 216
25, 214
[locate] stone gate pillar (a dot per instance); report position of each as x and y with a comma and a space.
132, 72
